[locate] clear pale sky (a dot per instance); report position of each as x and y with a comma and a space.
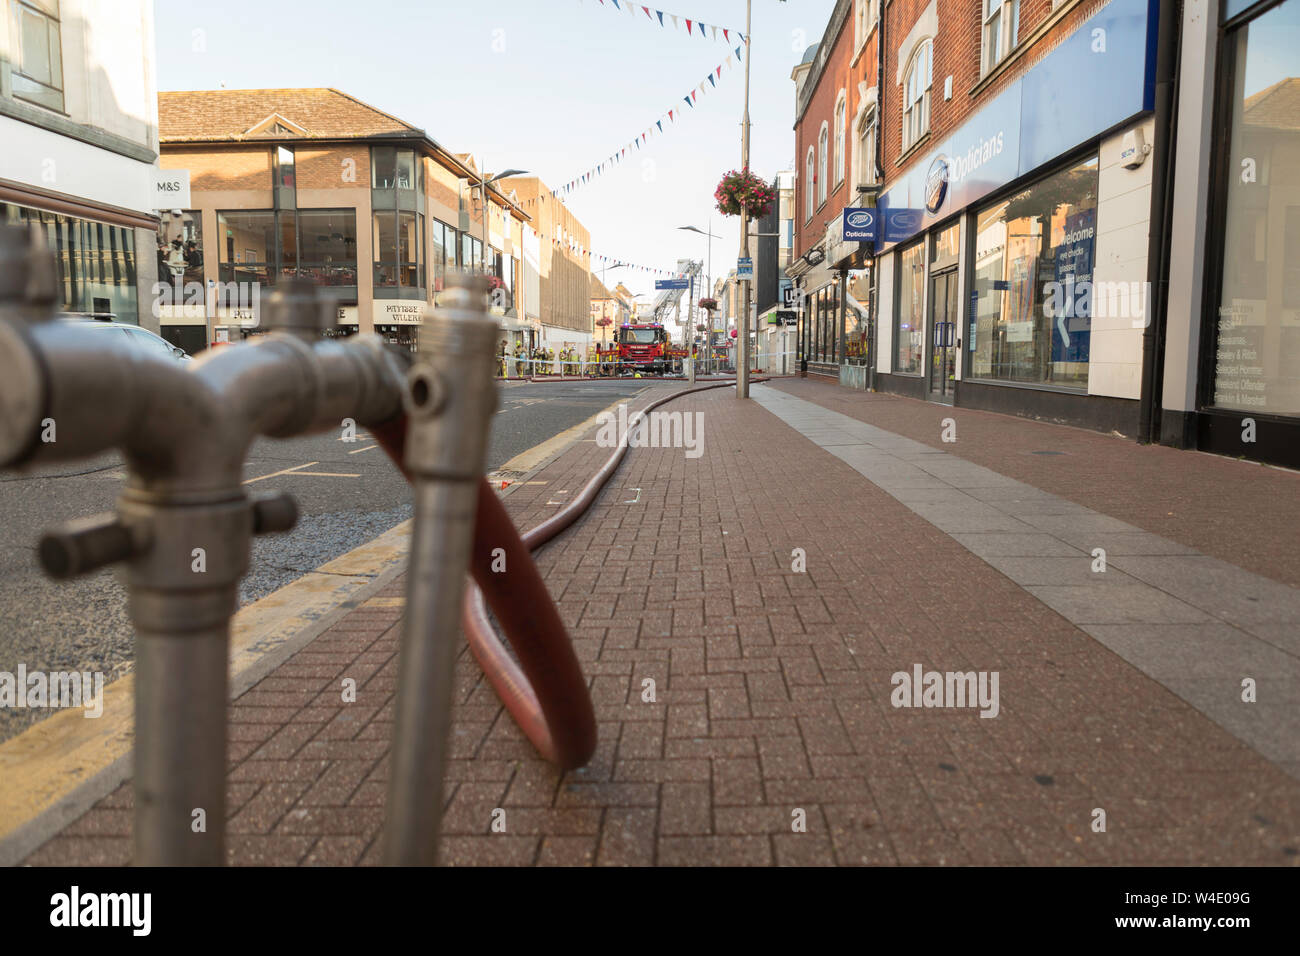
549, 86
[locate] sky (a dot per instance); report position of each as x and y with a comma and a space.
553, 87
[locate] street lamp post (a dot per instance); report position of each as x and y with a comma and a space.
486, 183
742, 332
708, 280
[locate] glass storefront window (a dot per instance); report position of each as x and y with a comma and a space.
96, 261
180, 247
247, 249
1034, 255
327, 242
1257, 352
909, 325
857, 345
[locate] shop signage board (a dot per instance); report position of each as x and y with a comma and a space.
171, 189
860, 225
399, 313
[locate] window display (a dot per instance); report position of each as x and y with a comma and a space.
1028, 248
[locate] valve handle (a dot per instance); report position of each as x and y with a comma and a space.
85, 545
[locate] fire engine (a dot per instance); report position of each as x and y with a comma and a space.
643, 347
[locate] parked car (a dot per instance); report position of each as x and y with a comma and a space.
142, 338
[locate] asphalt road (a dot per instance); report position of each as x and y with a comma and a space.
347, 494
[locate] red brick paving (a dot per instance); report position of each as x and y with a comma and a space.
772, 687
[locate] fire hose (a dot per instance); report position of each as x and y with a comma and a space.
545, 692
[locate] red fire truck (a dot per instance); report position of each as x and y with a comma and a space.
643, 347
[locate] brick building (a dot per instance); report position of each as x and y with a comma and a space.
315, 183
1013, 157
837, 164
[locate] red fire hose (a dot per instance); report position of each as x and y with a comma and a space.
545, 692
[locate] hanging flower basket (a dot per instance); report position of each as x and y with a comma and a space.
742, 190
709, 305
605, 321
701, 328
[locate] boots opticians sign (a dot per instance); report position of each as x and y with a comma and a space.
936, 184
860, 225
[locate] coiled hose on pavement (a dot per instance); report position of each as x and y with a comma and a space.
545, 690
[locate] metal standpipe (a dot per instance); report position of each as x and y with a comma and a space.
449, 401
184, 522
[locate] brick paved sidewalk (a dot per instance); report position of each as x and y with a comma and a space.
772, 691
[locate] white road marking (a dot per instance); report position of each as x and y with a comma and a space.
275, 474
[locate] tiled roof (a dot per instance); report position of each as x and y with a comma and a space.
226, 115
1277, 107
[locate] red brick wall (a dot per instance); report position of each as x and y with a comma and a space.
221, 167
841, 72
323, 168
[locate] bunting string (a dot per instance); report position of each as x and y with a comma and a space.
658, 128
568, 243
675, 22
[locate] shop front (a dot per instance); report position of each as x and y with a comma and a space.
398, 322
1013, 258
1247, 373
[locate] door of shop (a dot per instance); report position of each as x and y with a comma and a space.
943, 335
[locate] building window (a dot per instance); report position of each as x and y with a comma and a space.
285, 178
916, 95
37, 72
839, 141
444, 254
1257, 342
327, 247
96, 261
398, 244
867, 150
810, 177
909, 324
860, 24
471, 253
392, 168
822, 142
1001, 26
1033, 291
247, 246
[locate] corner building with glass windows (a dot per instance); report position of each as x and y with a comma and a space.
312, 183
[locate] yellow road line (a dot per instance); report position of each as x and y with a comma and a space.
275, 474
360, 450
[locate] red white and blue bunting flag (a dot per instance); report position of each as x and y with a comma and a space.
672, 21
570, 244
670, 116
